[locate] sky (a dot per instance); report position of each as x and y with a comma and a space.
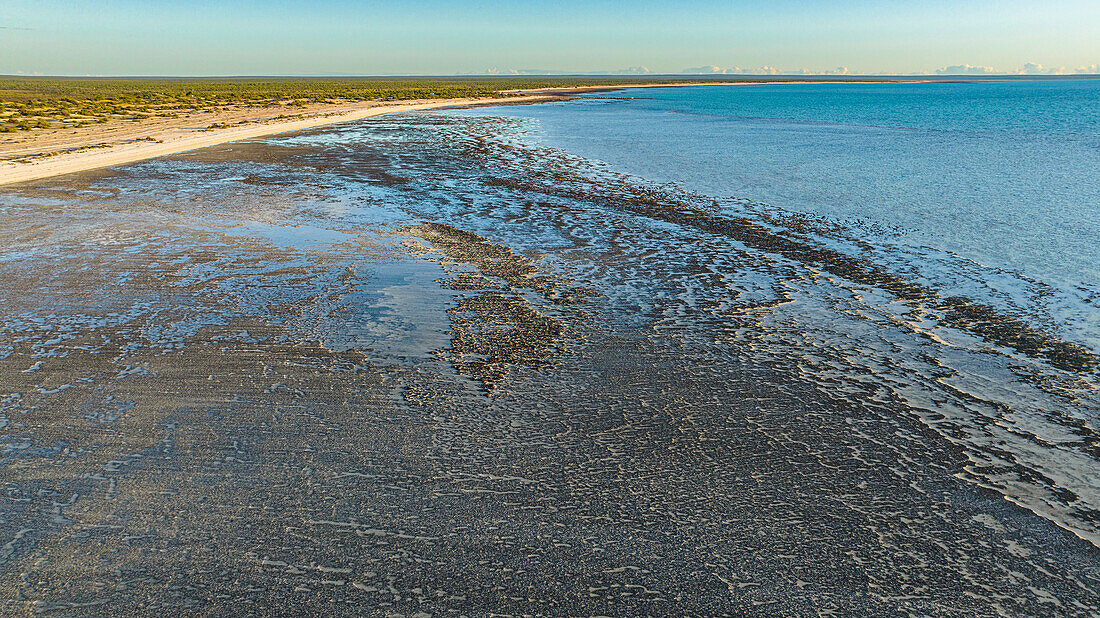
430, 37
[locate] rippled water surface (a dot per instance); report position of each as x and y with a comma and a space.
999, 175
475, 362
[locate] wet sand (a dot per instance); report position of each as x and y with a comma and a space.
402, 367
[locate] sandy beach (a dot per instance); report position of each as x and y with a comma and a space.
42, 154
32, 155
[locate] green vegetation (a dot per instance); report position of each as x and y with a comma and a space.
28, 103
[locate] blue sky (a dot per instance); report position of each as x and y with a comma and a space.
277, 37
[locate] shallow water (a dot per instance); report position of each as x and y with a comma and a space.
985, 176
428, 364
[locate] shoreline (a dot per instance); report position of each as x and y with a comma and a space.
90, 151
45, 155
445, 363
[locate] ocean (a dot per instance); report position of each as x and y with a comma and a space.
768, 349
994, 176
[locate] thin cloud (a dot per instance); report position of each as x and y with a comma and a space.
1030, 68
1034, 68
641, 70
764, 70
964, 69
715, 70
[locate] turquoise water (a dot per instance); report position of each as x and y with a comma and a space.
1002, 178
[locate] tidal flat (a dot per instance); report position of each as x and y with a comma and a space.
418, 366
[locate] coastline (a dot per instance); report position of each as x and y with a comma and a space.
47, 154
57, 152
88, 150
43, 155
437, 351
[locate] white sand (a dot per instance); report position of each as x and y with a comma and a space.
180, 135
